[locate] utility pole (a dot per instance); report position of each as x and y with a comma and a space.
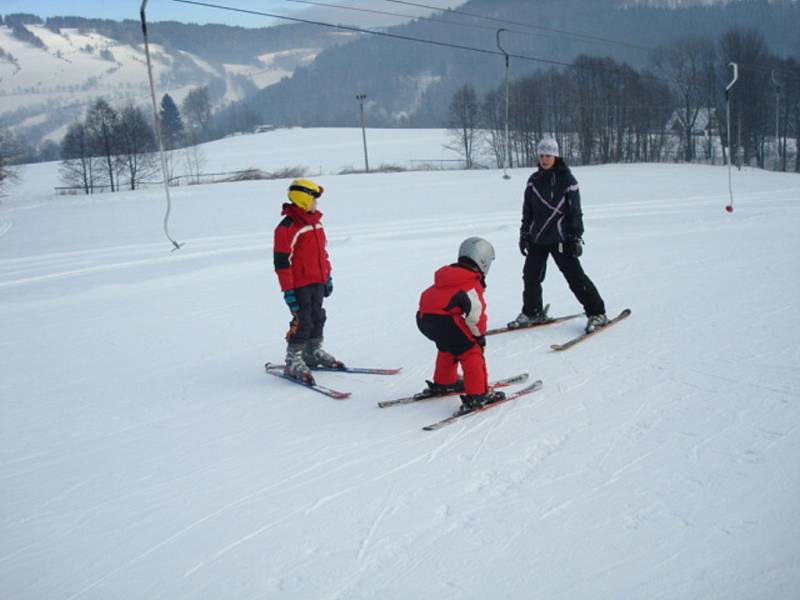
729, 207
777, 120
361, 98
507, 155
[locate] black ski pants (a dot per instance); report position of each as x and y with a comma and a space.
534, 272
309, 321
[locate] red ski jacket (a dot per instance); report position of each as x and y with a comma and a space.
299, 249
457, 291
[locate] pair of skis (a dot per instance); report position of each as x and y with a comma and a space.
277, 371
570, 343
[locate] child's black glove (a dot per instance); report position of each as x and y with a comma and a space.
328, 286
573, 248
524, 244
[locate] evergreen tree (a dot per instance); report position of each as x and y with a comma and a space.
171, 123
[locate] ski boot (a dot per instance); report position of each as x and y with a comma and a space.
296, 367
471, 402
595, 322
441, 389
315, 356
524, 320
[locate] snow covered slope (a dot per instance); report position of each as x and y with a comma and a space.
144, 453
59, 81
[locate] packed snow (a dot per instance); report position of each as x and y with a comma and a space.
144, 453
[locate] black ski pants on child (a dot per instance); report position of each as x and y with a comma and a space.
309, 321
533, 275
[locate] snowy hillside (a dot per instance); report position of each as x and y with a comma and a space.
145, 454
75, 66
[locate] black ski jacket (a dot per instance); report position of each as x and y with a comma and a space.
551, 211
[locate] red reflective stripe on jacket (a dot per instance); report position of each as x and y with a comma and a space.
303, 240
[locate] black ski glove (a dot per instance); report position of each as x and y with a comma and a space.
572, 248
524, 244
328, 289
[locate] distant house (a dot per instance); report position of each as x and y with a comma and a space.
704, 124
263, 128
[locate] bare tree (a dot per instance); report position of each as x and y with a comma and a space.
194, 159
789, 118
196, 109
464, 122
492, 116
101, 123
686, 62
751, 98
8, 149
588, 74
136, 144
77, 164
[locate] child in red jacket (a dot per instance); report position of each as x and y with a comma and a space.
304, 274
452, 313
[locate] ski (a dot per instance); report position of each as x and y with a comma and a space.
522, 378
566, 345
363, 370
312, 386
536, 385
548, 321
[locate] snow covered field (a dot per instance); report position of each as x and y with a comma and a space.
145, 454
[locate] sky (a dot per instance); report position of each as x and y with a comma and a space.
169, 10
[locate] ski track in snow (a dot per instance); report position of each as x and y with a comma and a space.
81, 263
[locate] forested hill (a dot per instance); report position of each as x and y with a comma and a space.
411, 83
217, 44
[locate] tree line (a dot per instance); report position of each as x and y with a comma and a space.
112, 149
603, 111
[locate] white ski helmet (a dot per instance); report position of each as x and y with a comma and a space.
479, 251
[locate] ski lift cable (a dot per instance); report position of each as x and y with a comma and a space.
428, 18
394, 14
771, 70
586, 36
397, 36
175, 244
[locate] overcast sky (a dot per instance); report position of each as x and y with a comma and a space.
169, 10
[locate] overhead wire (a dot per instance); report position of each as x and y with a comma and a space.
587, 36
567, 32
394, 14
397, 36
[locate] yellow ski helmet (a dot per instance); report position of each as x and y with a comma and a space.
303, 192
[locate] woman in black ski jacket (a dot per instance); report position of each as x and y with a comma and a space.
552, 224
